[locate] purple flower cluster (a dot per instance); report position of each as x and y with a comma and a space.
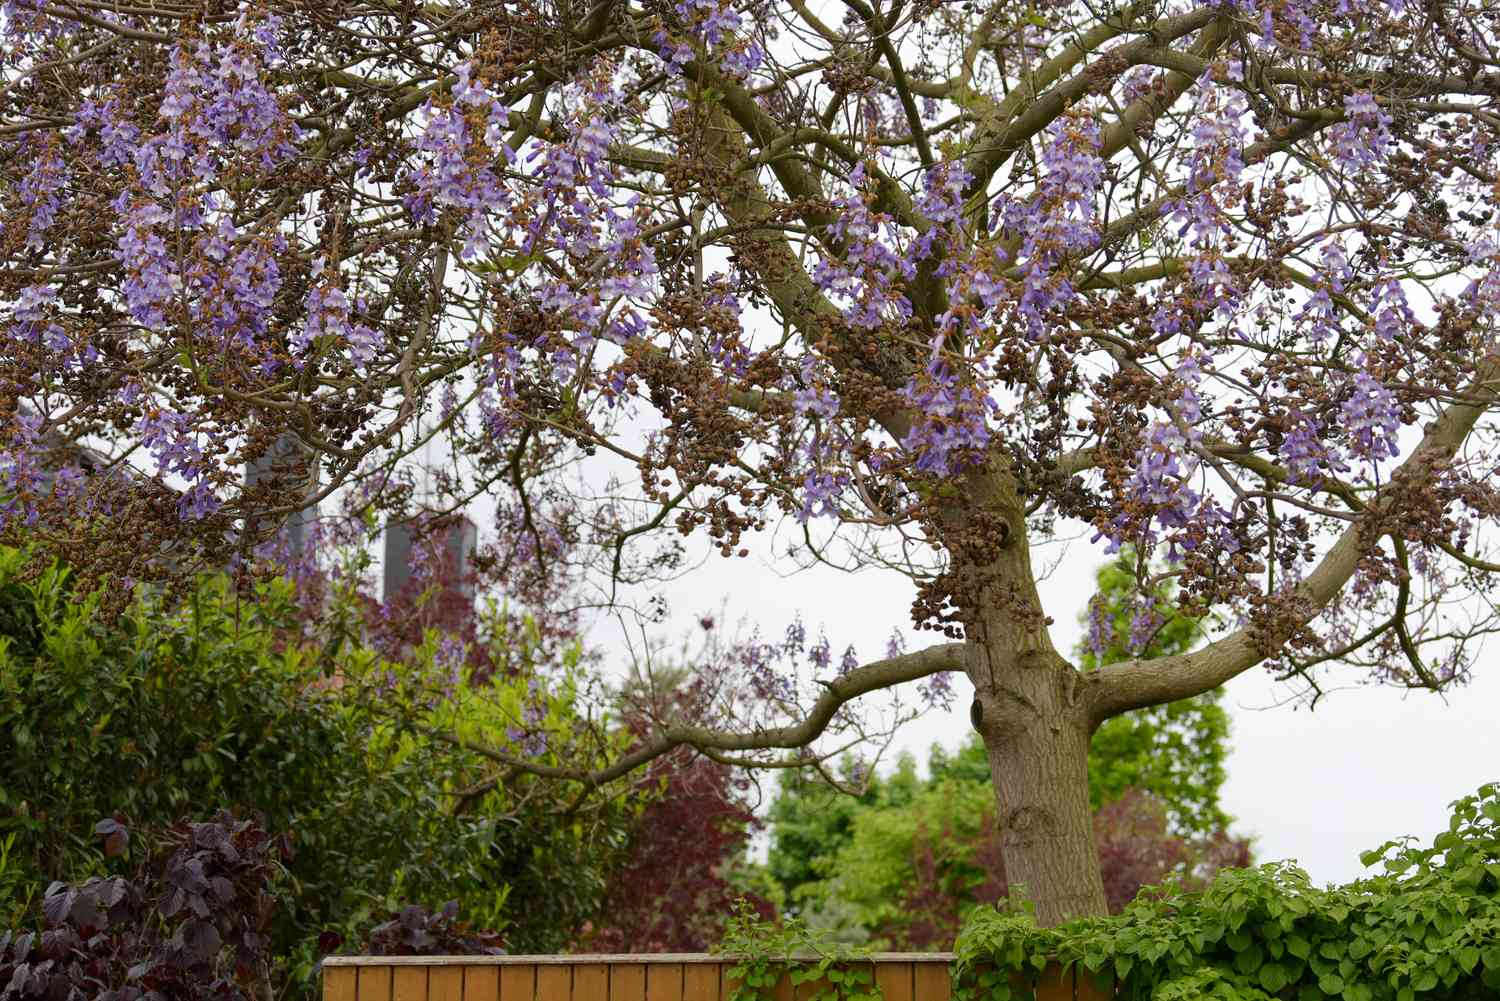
715, 25
41, 190
821, 488
1161, 472
1303, 450
216, 107
820, 457
117, 138
457, 174
942, 195
1363, 139
1144, 621
1393, 316
151, 274
710, 21
173, 439
1059, 219
329, 315
235, 280
952, 429
814, 396
1319, 316
936, 691
1371, 419
1214, 168
865, 270
32, 324
21, 474
1100, 626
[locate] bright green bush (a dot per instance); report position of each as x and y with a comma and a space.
1427, 928
173, 712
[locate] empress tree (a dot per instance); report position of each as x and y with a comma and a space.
926, 279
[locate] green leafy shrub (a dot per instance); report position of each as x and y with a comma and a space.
221, 702
1427, 928
171, 713
818, 968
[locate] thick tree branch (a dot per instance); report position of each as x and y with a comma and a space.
871, 677
1135, 684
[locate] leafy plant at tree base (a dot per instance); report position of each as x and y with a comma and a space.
189, 924
1427, 928
766, 953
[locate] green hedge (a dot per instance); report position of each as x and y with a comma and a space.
1427, 928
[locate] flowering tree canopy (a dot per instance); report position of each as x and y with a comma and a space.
1216, 279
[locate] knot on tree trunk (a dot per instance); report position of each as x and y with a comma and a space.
1026, 825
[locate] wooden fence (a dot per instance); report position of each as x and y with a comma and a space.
900, 976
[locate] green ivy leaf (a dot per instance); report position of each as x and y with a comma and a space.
1273, 977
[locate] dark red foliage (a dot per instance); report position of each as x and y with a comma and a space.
1135, 851
672, 893
416, 931
188, 925
944, 878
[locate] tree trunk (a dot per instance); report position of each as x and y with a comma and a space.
1028, 708
1037, 742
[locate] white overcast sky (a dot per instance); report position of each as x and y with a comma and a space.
1318, 787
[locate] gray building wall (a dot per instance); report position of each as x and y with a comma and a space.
461, 539
287, 461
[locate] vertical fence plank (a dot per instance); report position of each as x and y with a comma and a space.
446, 983
410, 983
700, 982
481, 983
518, 983
1086, 988
374, 983
931, 982
554, 982
339, 983
591, 982
728, 982
1053, 986
664, 982
627, 982
895, 981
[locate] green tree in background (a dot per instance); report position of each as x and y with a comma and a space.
848, 864
1174, 751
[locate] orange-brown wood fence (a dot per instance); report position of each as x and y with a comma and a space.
900, 976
